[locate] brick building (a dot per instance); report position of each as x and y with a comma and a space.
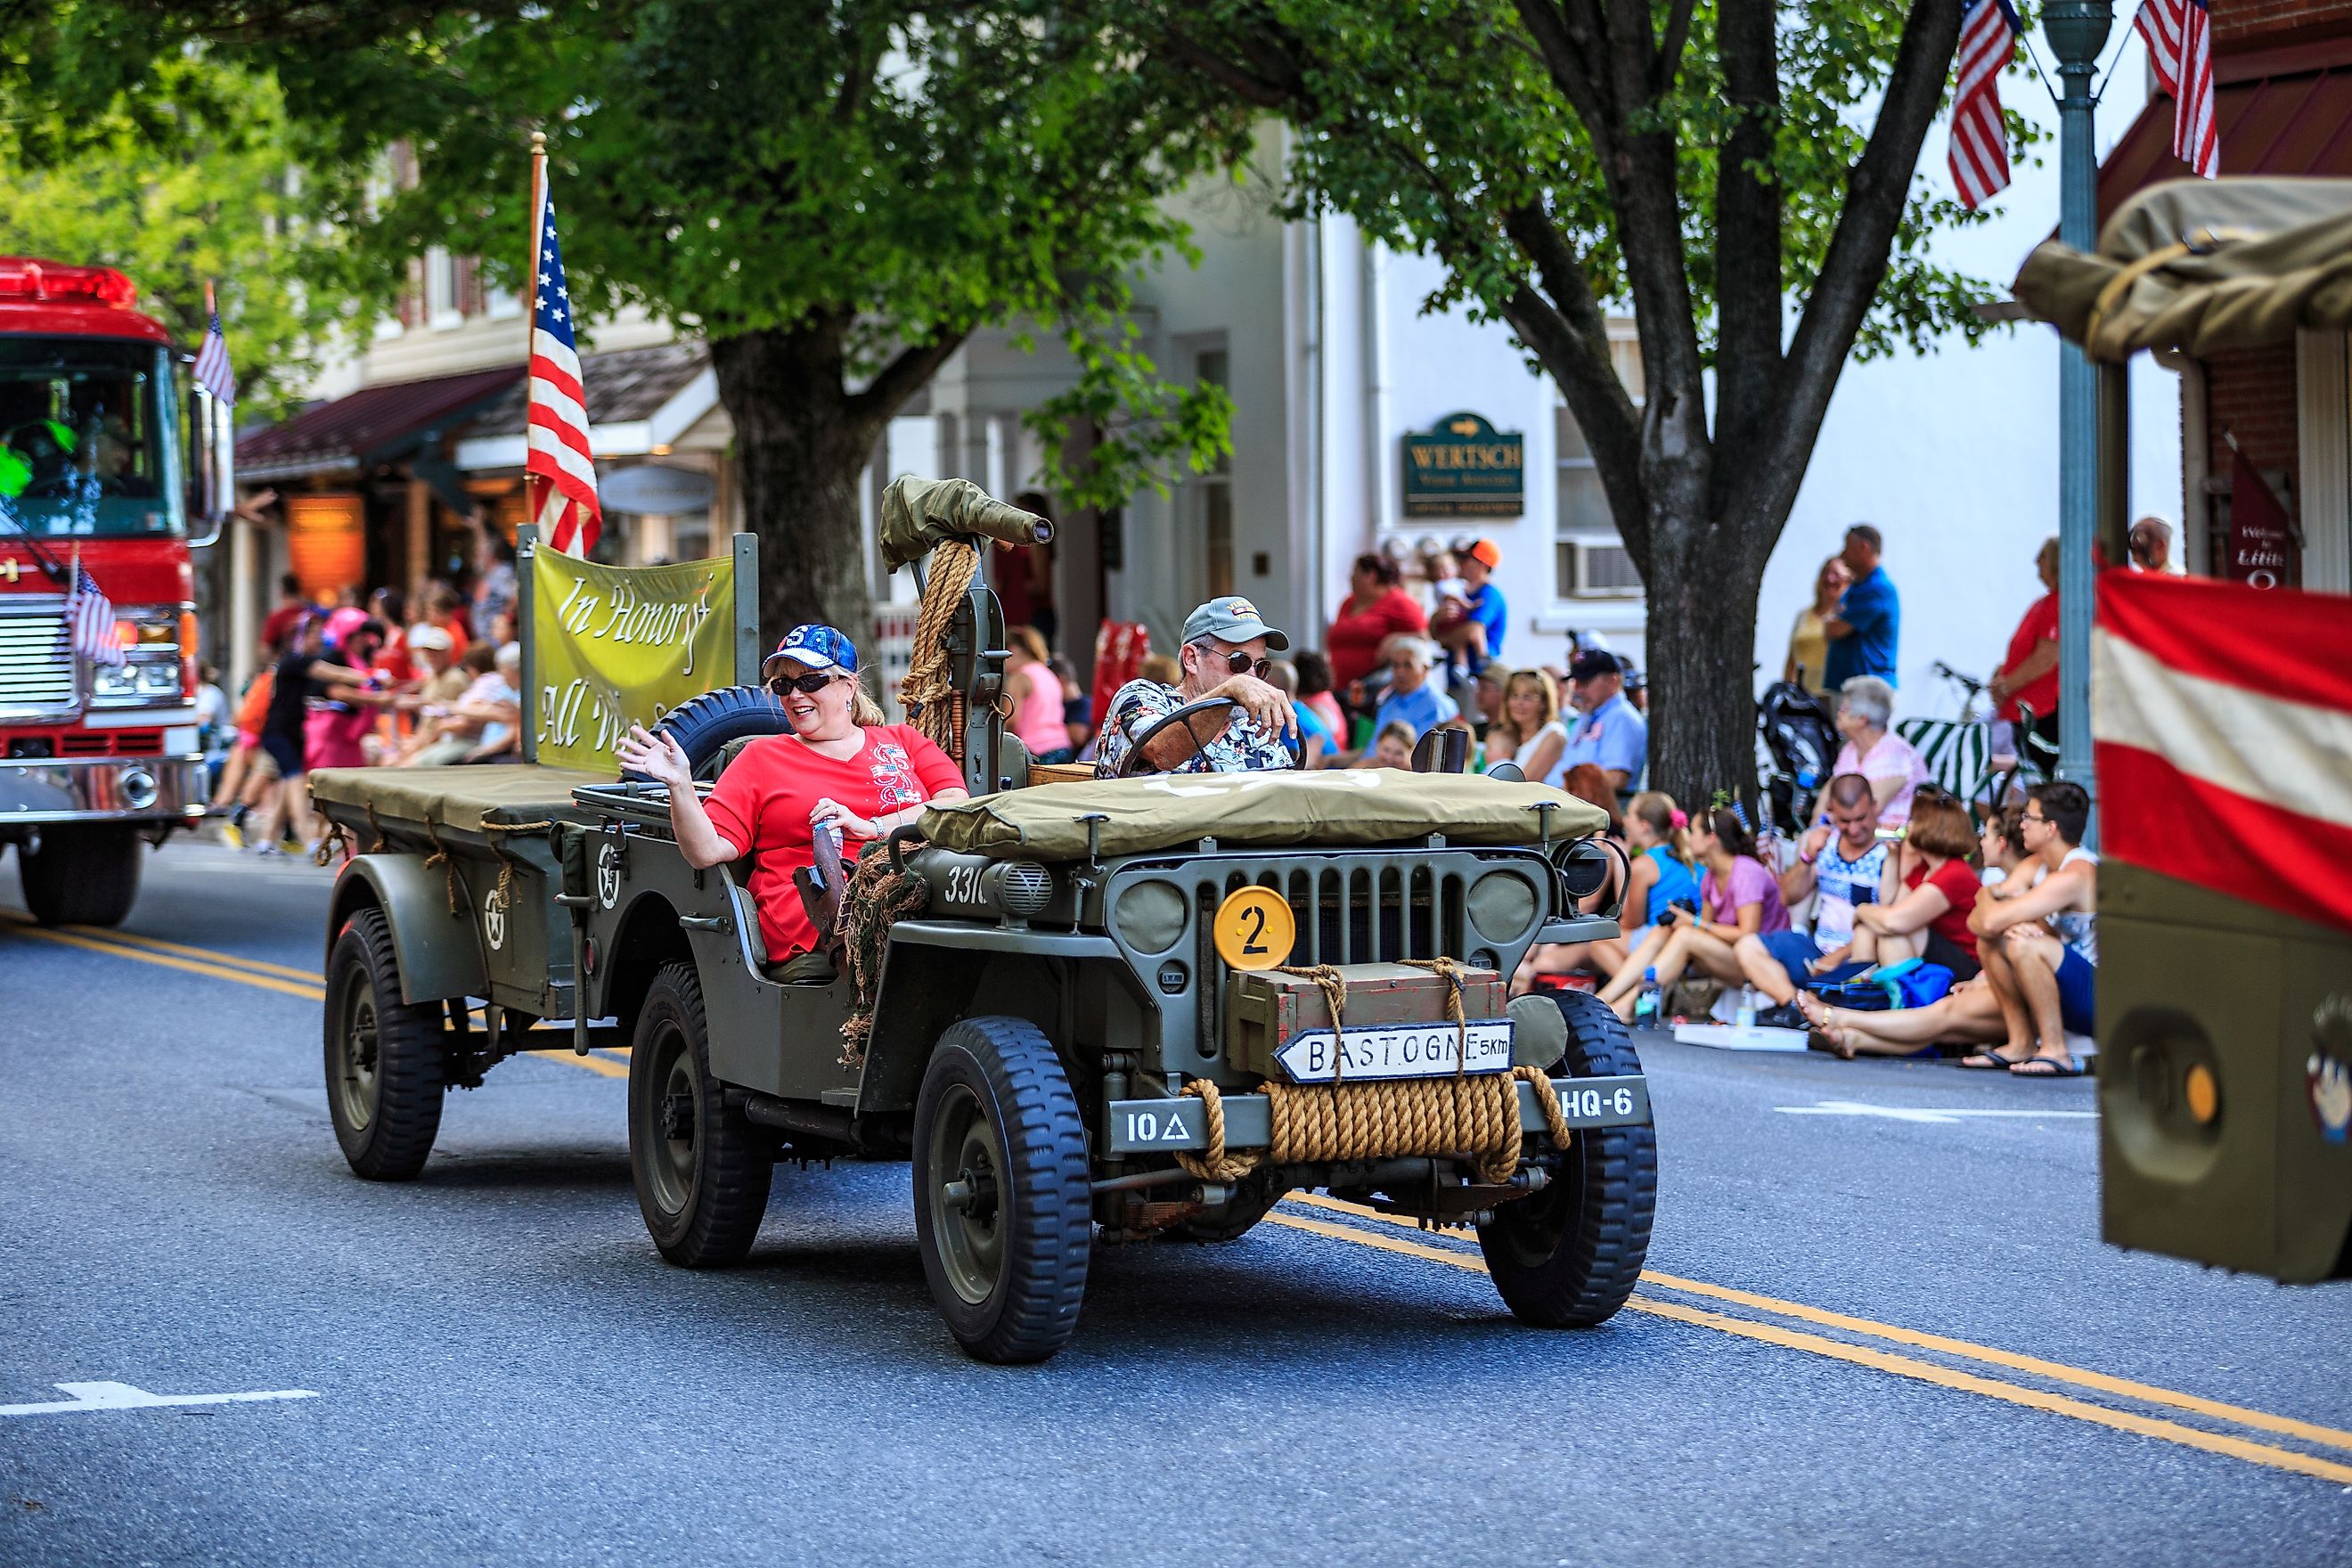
2283, 74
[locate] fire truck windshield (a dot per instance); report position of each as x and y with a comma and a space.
86, 439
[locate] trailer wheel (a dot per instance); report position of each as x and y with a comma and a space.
701, 1169
702, 726
1568, 1257
386, 1061
84, 874
1004, 1203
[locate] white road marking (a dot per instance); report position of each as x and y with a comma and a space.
122, 1396
1947, 1114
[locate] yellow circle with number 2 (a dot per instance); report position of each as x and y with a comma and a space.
1254, 929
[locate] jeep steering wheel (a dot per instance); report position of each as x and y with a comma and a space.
1137, 761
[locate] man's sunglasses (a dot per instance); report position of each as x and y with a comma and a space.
807, 684
1240, 663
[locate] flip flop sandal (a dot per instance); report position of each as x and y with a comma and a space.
2046, 1067
1990, 1060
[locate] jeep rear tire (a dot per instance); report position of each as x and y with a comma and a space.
1003, 1199
1568, 1257
386, 1060
701, 1169
84, 874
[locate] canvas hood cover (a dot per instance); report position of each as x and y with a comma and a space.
2199, 266
919, 513
462, 797
1342, 808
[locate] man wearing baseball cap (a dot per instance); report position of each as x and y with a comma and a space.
1470, 623
1609, 732
1223, 655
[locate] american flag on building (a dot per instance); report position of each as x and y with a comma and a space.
2179, 34
89, 617
212, 371
559, 467
1979, 150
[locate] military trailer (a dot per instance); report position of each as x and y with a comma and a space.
1088, 1011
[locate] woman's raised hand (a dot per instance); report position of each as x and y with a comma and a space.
657, 756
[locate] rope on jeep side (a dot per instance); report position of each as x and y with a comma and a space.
336, 839
876, 897
1453, 973
440, 857
1334, 986
1472, 1118
928, 690
375, 828
504, 893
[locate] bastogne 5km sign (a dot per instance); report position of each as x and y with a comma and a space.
616, 645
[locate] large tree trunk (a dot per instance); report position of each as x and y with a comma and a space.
801, 442
1704, 578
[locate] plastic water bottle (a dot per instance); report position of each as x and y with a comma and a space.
1645, 1005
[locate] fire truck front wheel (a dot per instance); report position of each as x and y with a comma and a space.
84, 873
386, 1060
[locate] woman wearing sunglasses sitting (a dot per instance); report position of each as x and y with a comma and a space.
842, 767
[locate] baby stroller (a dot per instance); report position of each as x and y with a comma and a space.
1800, 734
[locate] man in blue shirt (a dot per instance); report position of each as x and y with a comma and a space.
1412, 699
1869, 619
1608, 732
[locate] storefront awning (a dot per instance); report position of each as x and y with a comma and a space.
2200, 266
371, 426
2295, 122
640, 401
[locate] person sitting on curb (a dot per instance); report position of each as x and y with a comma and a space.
1968, 1015
1738, 897
2040, 949
1844, 867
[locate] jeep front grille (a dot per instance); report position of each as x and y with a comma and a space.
37, 661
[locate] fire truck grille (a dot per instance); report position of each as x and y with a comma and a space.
36, 664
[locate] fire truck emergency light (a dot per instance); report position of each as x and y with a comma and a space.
22, 278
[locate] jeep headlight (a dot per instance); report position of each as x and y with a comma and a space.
1502, 906
1150, 915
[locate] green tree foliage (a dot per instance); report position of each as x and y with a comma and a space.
1737, 173
185, 177
834, 193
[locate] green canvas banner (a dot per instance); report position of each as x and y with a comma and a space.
613, 645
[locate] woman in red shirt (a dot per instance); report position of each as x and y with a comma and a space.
840, 768
1931, 917
1377, 609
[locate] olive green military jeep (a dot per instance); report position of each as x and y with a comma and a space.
1107, 1012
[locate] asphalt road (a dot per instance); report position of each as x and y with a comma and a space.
1869, 1336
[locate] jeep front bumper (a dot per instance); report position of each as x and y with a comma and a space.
1168, 1126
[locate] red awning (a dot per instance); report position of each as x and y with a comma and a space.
2298, 124
369, 425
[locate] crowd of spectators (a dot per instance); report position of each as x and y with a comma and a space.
348, 684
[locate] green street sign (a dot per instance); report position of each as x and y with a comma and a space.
1463, 467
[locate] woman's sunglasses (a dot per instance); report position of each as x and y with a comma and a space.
807, 684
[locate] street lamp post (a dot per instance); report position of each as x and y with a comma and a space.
2077, 31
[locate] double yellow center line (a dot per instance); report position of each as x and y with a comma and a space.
213, 964
1766, 1320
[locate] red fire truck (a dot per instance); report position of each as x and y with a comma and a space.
111, 458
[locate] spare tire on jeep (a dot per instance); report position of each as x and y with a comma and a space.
704, 726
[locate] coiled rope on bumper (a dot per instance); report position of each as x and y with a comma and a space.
1474, 1119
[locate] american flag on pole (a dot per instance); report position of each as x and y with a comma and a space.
213, 372
2223, 713
2179, 34
1979, 150
89, 617
559, 467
